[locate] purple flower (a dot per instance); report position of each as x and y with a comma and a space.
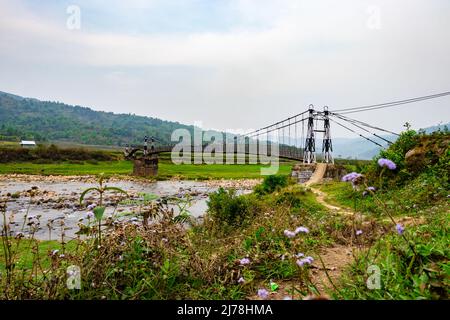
382, 162
359, 232
399, 228
244, 261
301, 229
351, 177
91, 206
301, 262
307, 260
89, 215
289, 234
299, 255
263, 293
241, 280
368, 191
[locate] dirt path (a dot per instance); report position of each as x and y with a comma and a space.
321, 196
334, 258
318, 174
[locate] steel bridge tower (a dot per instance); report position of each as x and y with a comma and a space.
327, 145
309, 154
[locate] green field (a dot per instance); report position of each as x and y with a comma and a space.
167, 170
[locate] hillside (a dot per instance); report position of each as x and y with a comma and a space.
25, 118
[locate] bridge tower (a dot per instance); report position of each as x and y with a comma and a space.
327, 145
309, 154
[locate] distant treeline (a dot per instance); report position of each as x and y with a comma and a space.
52, 153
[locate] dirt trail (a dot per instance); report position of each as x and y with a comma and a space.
318, 174
334, 258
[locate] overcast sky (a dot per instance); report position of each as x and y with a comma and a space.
236, 64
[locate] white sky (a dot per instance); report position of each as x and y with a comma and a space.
237, 64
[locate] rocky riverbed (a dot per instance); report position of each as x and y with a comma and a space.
49, 206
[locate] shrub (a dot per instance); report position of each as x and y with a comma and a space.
228, 208
51, 154
271, 184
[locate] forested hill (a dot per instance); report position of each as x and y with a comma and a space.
25, 118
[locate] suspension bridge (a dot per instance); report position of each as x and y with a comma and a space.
299, 136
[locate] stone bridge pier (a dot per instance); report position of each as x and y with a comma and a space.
304, 172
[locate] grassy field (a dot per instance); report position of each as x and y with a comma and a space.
167, 170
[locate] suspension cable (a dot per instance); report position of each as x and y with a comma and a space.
391, 104
368, 139
364, 129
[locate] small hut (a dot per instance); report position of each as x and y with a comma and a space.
27, 144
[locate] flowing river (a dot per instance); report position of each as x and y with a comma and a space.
56, 199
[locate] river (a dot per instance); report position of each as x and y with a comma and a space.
56, 199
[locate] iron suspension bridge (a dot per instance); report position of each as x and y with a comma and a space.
297, 135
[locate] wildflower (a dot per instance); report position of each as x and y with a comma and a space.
289, 234
368, 191
90, 215
354, 178
307, 260
301, 262
91, 206
241, 280
263, 293
399, 228
54, 252
387, 163
244, 261
19, 235
299, 255
359, 232
301, 229
351, 177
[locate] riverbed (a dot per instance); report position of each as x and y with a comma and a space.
48, 206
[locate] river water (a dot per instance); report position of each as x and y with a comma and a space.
57, 200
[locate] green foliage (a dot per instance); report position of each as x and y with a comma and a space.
403, 275
228, 208
271, 184
50, 154
55, 121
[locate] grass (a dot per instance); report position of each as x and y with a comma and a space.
26, 253
167, 169
404, 275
